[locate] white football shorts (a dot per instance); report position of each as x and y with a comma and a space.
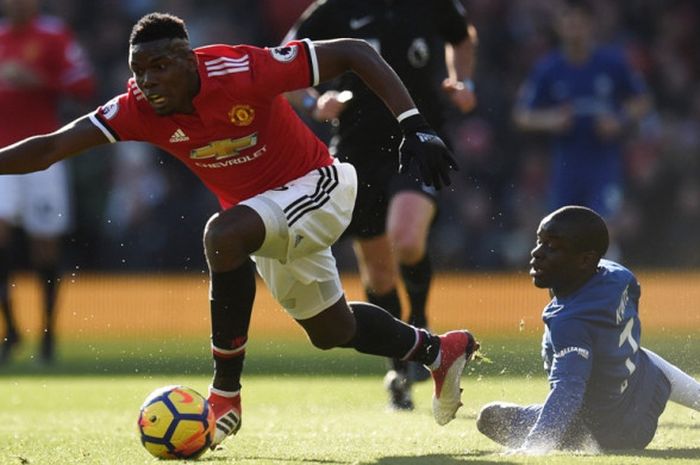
38, 202
302, 220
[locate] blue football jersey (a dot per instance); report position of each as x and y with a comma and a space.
591, 351
586, 169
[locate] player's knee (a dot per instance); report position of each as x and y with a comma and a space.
214, 233
381, 281
409, 248
489, 419
223, 243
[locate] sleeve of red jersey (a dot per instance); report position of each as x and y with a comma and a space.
75, 75
289, 67
120, 119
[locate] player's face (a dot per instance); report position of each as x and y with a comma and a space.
575, 26
555, 263
166, 72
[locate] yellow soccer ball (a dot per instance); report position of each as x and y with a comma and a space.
176, 422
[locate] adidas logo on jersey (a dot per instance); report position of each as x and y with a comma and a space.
179, 136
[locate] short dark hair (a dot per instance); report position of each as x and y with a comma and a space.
585, 228
156, 26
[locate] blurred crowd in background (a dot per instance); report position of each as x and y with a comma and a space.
138, 209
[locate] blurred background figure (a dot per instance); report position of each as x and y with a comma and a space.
486, 220
39, 63
588, 98
431, 46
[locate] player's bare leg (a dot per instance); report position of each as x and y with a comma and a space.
229, 238
45, 258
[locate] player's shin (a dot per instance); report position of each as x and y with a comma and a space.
231, 303
379, 333
391, 303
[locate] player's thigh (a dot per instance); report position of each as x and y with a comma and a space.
304, 287
411, 213
308, 214
377, 265
637, 427
46, 198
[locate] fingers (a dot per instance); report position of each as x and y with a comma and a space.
444, 176
426, 172
433, 158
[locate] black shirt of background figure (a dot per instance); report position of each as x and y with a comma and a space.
411, 36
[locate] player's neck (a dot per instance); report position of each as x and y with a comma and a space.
578, 53
573, 286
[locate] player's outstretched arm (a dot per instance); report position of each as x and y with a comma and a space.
460, 60
421, 145
39, 152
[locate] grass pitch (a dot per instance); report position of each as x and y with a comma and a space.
291, 419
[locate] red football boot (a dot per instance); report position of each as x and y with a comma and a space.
456, 349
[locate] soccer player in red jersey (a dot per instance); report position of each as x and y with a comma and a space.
40, 62
220, 109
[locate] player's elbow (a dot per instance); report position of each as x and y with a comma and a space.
27, 156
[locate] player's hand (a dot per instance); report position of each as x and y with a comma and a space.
609, 126
421, 145
461, 96
560, 119
330, 105
19, 75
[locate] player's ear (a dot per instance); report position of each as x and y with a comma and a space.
589, 259
192, 59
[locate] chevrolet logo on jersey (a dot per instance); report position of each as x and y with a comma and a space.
225, 148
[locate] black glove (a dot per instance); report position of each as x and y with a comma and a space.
423, 146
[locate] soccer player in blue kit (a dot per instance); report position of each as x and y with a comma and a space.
587, 97
606, 390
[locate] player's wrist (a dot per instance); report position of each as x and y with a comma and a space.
411, 121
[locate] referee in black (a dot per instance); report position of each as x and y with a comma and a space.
431, 45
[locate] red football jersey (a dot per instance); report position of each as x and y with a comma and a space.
243, 138
46, 47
